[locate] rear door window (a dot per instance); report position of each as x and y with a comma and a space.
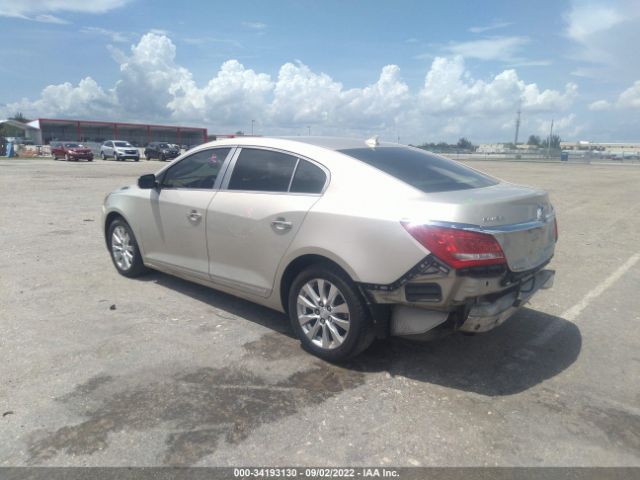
262, 171
308, 178
420, 169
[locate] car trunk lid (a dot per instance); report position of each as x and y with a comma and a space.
520, 218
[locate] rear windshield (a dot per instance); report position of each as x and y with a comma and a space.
422, 170
122, 144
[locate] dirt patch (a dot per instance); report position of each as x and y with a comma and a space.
202, 408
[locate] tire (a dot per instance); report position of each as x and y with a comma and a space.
89, 159
120, 238
137, 159
333, 336
147, 157
162, 157
103, 156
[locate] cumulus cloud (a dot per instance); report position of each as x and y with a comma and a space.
153, 86
449, 88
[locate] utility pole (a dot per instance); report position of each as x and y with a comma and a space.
309, 128
549, 141
515, 142
252, 122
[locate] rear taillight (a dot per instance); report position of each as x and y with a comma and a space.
555, 228
458, 248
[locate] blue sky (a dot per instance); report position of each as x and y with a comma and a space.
424, 71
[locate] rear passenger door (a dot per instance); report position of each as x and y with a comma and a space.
257, 213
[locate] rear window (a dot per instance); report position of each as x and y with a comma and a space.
420, 169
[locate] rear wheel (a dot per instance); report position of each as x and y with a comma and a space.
124, 249
162, 157
328, 313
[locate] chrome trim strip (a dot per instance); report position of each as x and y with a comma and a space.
515, 227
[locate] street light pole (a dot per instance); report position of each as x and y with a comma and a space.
309, 128
252, 122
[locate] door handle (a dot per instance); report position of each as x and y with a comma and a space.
281, 224
194, 215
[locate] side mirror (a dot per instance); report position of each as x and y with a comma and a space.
147, 181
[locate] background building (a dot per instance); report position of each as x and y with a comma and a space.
139, 134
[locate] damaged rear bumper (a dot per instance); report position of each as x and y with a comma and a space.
435, 298
488, 314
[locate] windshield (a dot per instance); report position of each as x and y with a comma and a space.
72, 145
422, 170
164, 145
122, 144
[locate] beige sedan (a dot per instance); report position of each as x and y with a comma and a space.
352, 239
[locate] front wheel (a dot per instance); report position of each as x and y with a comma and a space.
103, 156
124, 250
328, 313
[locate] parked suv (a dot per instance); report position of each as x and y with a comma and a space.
70, 151
161, 150
119, 150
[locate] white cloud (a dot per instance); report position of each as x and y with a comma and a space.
449, 88
630, 98
113, 35
490, 48
491, 26
599, 106
604, 36
254, 25
41, 9
46, 18
153, 87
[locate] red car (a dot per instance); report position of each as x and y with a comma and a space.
70, 151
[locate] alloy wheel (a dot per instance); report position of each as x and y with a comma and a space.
323, 313
122, 248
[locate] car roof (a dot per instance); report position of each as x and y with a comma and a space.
336, 143
329, 143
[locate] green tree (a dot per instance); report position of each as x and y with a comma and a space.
464, 144
555, 142
534, 140
19, 117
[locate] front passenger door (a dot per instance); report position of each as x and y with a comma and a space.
176, 236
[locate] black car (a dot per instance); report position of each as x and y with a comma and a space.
161, 151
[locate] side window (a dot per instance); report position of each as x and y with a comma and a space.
308, 178
262, 170
199, 170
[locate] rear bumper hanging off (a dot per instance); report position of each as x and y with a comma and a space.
486, 315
